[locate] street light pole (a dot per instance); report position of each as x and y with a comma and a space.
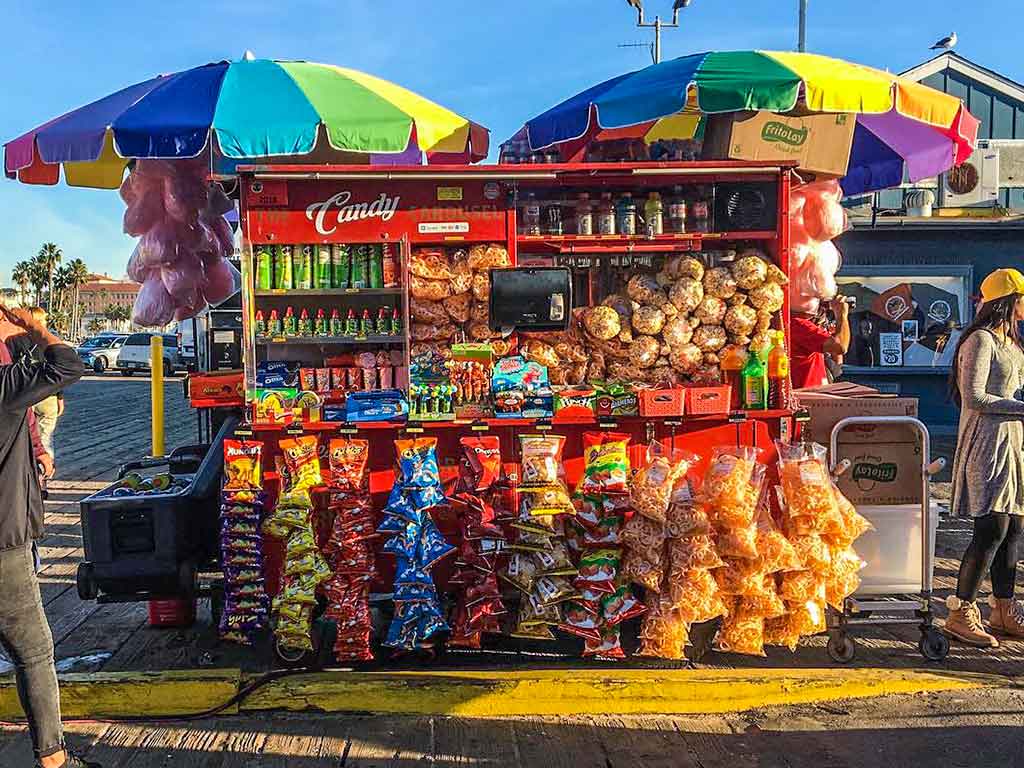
802, 43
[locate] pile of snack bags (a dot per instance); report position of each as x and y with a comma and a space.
292, 523
478, 607
350, 550
241, 546
416, 543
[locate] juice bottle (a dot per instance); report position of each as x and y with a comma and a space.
261, 324
289, 326
264, 267
677, 211
383, 327
351, 324
584, 215
754, 380
606, 215
531, 215
274, 324
337, 324
778, 371
654, 213
625, 214
396, 322
732, 363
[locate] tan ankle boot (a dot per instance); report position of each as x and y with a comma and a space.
1007, 617
964, 623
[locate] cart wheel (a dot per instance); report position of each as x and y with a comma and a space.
85, 580
841, 648
934, 645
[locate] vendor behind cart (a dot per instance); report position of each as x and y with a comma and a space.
988, 473
812, 341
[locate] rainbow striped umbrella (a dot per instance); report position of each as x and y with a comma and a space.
903, 129
252, 109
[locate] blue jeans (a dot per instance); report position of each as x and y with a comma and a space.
25, 637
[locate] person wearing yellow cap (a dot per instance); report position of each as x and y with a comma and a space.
988, 473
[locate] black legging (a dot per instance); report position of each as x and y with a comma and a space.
993, 548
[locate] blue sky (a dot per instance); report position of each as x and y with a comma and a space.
494, 61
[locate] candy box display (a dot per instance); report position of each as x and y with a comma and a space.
431, 392
574, 402
616, 400
275, 406
521, 389
470, 371
380, 405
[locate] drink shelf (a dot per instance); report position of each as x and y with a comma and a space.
690, 241
350, 292
315, 340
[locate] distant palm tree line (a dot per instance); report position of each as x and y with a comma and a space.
55, 287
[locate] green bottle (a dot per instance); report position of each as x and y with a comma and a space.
261, 324
274, 325
303, 268
320, 324
283, 257
341, 265
323, 266
337, 324
360, 257
754, 380
305, 324
375, 267
351, 324
264, 267
396, 322
289, 325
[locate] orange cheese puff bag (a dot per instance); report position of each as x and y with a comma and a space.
741, 633
812, 551
777, 632
843, 578
774, 549
800, 586
732, 486
807, 486
807, 618
694, 594
853, 524
764, 603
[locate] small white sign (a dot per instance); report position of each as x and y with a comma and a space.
890, 349
223, 337
443, 228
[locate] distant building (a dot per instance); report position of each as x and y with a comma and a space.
102, 291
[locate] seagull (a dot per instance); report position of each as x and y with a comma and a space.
945, 43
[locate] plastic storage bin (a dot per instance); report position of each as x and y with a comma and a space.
708, 401
892, 550
661, 402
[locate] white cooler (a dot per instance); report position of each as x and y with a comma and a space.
893, 549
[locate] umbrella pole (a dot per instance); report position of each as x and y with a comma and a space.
802, 43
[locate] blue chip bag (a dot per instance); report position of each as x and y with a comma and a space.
417, 461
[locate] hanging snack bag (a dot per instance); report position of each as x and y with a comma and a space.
843, 577
853, 525
300, 454
732, 486
695, 595
483, 461
810, 499
651, 488
541, 459
773, 549
348, 458
741, 633
242, 465
417, 462
606, 463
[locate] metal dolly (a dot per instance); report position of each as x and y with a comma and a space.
899, 607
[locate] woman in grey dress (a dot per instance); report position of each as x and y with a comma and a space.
988, 473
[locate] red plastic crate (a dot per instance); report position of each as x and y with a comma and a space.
661, 402
708, 401
172, 613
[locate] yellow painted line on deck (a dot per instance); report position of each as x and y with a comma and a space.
498, 693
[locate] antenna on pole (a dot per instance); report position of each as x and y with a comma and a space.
802, 42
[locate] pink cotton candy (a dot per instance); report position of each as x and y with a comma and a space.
154, 305
222, 280
143, 213
184, 282
225, 236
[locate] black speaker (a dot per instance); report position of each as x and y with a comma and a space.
746, 206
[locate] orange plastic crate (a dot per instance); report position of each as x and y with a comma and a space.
708, 401
661, 402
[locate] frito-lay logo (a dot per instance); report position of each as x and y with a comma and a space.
884, 472
781, 133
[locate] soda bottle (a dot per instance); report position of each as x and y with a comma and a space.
366, 325
341, 265
264, 267
375, 267
273, 324
606, 215
701, 213
261, 324
584, 215
337, 324
389, 266
531, 215
289, 325
320, 329
351, 324
360, 256
383, 322
304, 273
396, 322
778, 371
305, 324
654, 215
677, 211
323, 266
754, 379
732, 363
625, 214
283, 267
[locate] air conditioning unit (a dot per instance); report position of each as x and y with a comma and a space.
976, 182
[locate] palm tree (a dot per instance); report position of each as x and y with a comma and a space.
117, 315
77, 275
21, 276
94, 326
49, 257
38, 277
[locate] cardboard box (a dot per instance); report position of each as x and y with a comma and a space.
828, 409
819, 143
881, 473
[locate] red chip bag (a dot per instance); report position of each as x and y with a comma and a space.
348, 459
483, 457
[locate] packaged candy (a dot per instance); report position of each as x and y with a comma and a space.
651, 488
553, 589
348, 458
300, 543
300, 454
541, 459
555, 561
242, 465
417, 462
597, 570
483, 457
606, 463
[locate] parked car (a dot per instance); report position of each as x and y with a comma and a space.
101, 352
135, 354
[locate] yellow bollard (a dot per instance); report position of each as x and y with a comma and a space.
156, 367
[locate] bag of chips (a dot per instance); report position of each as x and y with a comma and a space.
812, 551
694, 552
843, 578
664, 633
597, 570
853, 524
417, 462
695, 595
777, 632
773, 549
732, 484
740, 577
541, 459
764, 602
807, 617
606, 463
348, 458
742, 633
685, 520
651, 488
580, 621
243, 465
300, 454
801, 586
807, 487
482, 461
